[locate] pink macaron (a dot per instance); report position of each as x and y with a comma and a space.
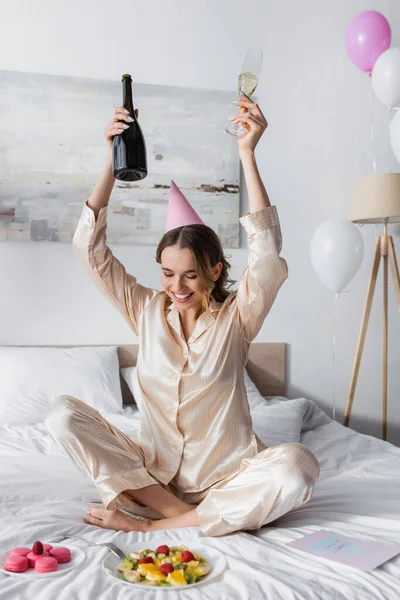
46, 564
20, 551
61, 553
16, 564
32, 558
47, 547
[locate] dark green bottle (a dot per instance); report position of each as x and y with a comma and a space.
129, 147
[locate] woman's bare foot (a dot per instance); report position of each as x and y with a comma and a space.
115, 519
119, 521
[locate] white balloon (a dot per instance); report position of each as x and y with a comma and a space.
394, 131
386, 77
336, 251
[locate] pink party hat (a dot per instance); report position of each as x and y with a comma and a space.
180, 212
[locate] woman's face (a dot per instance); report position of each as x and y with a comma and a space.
179, 278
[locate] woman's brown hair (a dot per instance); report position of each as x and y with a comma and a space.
206, 249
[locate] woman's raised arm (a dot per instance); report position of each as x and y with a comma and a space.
266, 271
90, 242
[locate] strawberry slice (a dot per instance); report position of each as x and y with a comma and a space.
162, 549
166, 568
146, 559
187, 556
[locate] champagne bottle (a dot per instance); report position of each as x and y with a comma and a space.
129, 148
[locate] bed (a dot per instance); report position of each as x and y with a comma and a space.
44, 496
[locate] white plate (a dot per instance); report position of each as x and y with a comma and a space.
77, 556
214, 557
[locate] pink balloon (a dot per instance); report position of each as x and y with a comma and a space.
367, 36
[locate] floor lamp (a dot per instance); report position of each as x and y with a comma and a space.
377, 200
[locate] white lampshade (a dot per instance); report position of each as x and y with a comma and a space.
376, 199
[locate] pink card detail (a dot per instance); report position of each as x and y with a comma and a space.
353, 552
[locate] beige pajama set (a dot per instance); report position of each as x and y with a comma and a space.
196, 437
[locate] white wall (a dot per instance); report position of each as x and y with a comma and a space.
317, 145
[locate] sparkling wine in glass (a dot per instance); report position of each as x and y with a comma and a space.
247, 82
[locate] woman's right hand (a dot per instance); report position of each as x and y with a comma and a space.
120, 122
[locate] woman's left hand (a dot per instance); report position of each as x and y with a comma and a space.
253, 120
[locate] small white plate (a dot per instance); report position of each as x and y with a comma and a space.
77, 556
214, 557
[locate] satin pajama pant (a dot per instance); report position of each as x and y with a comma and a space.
264, 488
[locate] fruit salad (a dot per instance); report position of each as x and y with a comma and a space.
165, 566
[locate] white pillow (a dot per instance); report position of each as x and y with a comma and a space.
253, 395
130, 376
276, 420
30, 378
279, 423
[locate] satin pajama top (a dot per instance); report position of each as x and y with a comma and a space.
195, 421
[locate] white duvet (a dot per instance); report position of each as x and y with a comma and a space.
43, 496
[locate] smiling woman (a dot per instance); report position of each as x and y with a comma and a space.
196, 461
194, 268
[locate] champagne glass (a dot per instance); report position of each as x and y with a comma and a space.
247, 83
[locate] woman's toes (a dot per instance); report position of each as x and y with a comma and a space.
99, 513
89, 518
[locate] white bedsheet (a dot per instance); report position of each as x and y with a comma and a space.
43, 495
